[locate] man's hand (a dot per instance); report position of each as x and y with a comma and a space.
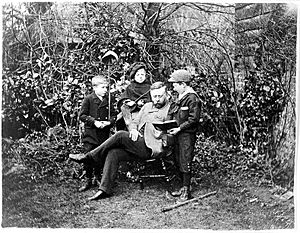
174, 131
105, 123
134, 134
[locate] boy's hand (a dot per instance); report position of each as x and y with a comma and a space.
129, 103
174, 131
101, 124
140, 103
98, 124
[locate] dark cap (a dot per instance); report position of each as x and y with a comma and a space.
180, 76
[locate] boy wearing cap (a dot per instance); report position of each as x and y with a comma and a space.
94, 114
186, 111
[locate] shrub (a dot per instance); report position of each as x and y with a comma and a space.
43, 155
222, 160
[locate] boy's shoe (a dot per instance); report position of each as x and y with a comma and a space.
79, 158
177, 193
87, 185
185, 194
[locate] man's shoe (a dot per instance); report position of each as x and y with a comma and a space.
79, 158
87, 185
98, 195
185, 194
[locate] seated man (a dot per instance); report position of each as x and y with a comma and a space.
142, 141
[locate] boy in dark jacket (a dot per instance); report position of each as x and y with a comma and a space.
94, 113
186, 111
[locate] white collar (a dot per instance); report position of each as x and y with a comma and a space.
187, 91
100, 97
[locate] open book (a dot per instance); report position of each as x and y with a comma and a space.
166, 125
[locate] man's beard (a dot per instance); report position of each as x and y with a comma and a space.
159, 105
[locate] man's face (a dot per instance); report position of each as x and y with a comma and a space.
159, 97
100, 88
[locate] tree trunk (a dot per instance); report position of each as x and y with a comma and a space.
151, 33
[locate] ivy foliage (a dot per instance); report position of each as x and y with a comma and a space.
269, 79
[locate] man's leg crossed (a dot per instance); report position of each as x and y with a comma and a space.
120, 140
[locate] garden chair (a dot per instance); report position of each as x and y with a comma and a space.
162, 167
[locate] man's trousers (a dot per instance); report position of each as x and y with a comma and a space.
110, 153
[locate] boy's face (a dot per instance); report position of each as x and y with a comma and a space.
100, 88
179, 87
140, 76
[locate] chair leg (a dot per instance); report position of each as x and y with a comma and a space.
139, 178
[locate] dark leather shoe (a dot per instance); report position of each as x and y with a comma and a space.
79, 158
185, 194
87, 185
98, 195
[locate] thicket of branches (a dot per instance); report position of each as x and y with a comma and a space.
242, 58
50, 54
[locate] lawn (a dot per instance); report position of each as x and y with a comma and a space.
53, 202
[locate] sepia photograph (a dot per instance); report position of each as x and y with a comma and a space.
150, 115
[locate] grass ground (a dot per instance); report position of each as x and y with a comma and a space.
55, 203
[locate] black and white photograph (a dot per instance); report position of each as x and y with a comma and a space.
152, 115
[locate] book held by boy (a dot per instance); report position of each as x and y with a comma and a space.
166, 125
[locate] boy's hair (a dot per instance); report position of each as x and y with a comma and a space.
188, 83
99, 79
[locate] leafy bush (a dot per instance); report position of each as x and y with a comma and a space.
222, 160
261, 105
43, 155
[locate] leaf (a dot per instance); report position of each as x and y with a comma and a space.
49, 102
266, 88
35, 75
